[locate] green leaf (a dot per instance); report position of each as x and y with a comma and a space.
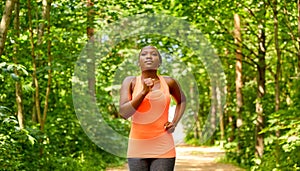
31, 139
15, 77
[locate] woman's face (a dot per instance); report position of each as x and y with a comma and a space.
149, 58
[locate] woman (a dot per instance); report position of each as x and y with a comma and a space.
146, 98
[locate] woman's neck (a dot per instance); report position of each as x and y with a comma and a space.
149, 74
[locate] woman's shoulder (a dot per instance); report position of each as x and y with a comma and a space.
129, 79
169, 80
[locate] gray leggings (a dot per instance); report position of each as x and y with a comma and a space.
151, 164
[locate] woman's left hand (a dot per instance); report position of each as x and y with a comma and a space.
170, 127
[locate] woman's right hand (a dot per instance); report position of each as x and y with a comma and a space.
148, 84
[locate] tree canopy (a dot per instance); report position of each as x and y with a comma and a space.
62, 64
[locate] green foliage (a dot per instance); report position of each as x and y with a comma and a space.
18, 147
282, 140
64, 145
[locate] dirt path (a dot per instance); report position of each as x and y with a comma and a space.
197, 159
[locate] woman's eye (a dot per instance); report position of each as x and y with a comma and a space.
154, 54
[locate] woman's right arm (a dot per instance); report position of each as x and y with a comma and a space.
129, 105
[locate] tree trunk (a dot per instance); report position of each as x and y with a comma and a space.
42, 25
213, 113
298, 37
238, 76
259, 110
220, 109
231, 119
261, 68
41, 117
18, 84
90, 51
278, 53
46, 17
197, 128
9, 5
33, 113
277, 74
34, 65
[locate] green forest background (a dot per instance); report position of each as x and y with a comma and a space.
257, 42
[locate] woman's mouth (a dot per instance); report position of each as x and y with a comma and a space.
148, 62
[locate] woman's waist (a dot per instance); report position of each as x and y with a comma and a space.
146, 132
147, 135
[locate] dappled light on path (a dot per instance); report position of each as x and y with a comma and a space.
201, 158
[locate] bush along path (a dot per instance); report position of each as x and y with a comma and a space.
190, 158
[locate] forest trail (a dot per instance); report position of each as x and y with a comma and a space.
197, 159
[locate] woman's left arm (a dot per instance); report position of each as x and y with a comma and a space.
180, 99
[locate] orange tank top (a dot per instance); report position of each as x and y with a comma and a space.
148, 137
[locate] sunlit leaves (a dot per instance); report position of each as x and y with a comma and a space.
213, 18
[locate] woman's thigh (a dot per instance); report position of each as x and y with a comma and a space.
162, 164
151, 164
139, 164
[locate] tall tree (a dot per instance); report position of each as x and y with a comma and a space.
298, 5
197, 128
238, 76
277, 75
46, 19
90, 49
230, 114
214, 110
278, 54
36, 108
18, 84
5, 21
44, 24
221, 114
261, 81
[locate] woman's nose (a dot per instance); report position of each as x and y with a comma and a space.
148, 56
